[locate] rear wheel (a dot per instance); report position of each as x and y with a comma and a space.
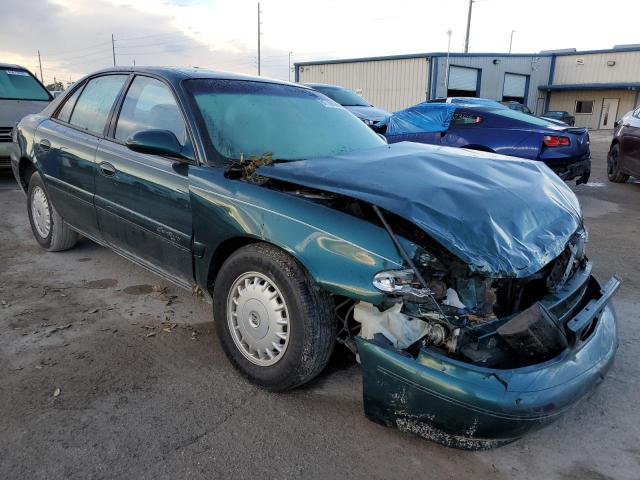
47, 225
613, 166
275, 327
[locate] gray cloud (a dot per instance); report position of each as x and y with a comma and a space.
76, 42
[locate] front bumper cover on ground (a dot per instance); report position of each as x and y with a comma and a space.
465, 406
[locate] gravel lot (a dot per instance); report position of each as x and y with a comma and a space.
137, 401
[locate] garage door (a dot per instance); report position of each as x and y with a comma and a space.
463, 78
515, 86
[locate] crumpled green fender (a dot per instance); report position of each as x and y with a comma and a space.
342, 253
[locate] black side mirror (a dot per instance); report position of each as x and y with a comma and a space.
158, 142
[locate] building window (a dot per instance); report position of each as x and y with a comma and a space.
584, 107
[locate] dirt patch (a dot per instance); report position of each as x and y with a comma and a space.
139, 290
101, 284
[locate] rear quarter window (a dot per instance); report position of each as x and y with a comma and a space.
96, 100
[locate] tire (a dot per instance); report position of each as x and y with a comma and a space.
49, 229
613, 166
310, 328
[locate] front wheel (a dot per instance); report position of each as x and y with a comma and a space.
274, 325
613, 166
47, 225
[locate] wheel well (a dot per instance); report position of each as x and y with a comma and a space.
224, 251
25, 170
480, 148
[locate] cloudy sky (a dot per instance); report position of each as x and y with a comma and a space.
74, 36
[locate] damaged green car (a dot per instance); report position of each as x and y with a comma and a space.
459, 279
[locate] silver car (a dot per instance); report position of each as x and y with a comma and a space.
21, 94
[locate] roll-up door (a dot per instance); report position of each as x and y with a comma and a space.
463, 79
515, 87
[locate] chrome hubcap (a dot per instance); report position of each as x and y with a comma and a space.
258, 318
41, 212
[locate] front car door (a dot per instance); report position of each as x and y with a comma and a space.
630, 143
142, 200
66, 147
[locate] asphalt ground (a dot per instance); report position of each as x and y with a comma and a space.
93, 384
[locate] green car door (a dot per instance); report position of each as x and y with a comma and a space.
66, 147
142, 200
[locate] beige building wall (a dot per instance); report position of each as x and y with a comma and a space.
389, 84
594, 68
566, 100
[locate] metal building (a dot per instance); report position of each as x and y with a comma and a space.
399, 81
597, 86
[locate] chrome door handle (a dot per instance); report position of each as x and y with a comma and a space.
45, 145
107, 169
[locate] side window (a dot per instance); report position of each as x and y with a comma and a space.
65, 112
464, 119
149, 104
92, 108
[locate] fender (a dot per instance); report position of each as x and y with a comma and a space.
342, 253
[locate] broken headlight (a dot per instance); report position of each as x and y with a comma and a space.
399, 282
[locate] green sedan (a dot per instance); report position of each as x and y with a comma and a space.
458, 278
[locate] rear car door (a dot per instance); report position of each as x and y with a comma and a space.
66, 147
142, 200
630, 143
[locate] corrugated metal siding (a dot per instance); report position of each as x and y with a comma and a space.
595, 70
389, 84
492, 75
566, 101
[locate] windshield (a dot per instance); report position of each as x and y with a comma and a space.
344, 97
244, 118
554, 114
17, 84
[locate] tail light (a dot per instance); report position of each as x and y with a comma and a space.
555, 141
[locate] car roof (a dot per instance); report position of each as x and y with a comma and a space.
11, 65
177, 74
326, 85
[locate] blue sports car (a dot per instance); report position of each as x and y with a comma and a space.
563, 148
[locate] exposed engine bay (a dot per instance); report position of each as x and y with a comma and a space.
438, 303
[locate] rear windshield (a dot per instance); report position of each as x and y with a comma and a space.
244, 118
344, 97
523, 117
17, 84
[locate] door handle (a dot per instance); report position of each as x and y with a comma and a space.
45, 145
107, 169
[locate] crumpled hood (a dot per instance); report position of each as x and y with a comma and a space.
503, 216
368, 113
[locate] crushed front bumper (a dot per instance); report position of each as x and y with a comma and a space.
465, 406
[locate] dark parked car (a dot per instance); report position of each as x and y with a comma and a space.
623, 160
561, 116
20, 94
370, 115
459, 277
518, 107
562, 148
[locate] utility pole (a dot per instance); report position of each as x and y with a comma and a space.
446, 72
259, 38
466, 40
40, 63
511, 40
290, 65
113, 49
